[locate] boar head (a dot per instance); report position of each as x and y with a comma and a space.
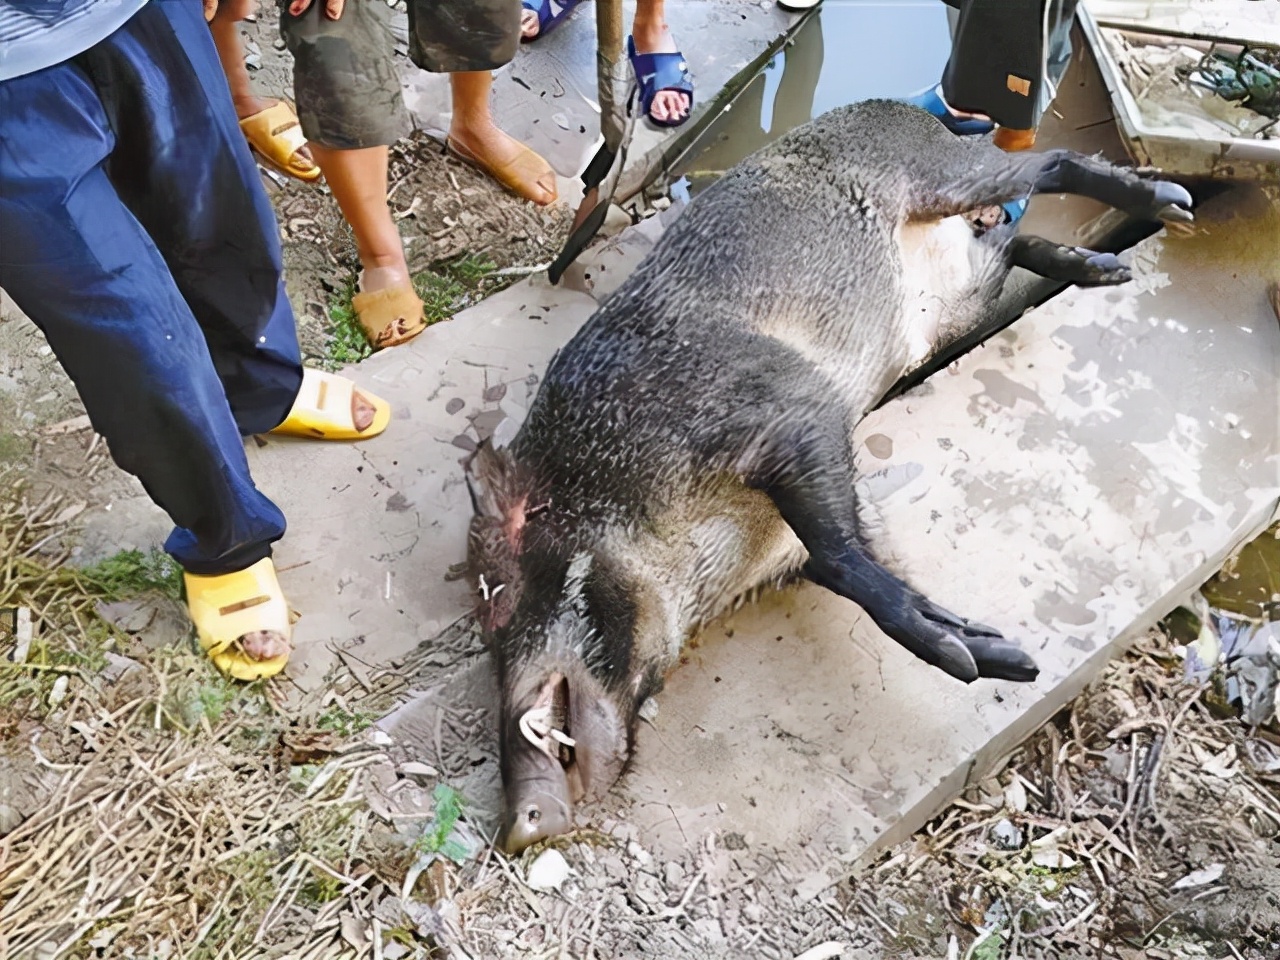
559, 621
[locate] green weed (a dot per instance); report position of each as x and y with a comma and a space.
345, 723
132, 572
438, 838
446, 288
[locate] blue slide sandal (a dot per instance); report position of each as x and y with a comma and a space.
660, 71
551, 13
931, 100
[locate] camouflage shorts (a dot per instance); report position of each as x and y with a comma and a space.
344, 78
453, 36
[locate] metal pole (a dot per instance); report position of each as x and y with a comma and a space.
600, 179
610, 78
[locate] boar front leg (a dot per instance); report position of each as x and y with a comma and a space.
1078, 265
807, 472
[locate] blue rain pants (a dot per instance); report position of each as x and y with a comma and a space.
135, 232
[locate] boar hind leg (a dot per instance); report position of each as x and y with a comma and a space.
808, 475
982, 175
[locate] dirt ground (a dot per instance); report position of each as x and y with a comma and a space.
149, 809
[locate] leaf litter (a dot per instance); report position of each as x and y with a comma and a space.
176, 815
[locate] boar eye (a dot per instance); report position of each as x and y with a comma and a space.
534, 815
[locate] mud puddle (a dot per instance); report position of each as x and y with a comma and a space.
844, 52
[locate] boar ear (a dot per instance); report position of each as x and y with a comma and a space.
498, 497
493, 481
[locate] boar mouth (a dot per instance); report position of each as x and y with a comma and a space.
546, 780
545, 726
569, 746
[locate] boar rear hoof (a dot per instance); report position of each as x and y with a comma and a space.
1101, 269
1170, 202
969, 651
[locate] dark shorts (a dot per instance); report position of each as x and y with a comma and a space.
455, 36
345, 81
1007, 57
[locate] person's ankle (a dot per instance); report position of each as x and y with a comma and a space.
375, 277
249, 104
648, 26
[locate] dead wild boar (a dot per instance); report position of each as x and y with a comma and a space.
693, 441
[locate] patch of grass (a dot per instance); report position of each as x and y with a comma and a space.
132, 572
346, 723
12, 447
992, 948
347, 342
445, 288
438, 838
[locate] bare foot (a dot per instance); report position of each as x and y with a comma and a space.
499, 151
654, 37
265, 645
362, 411
984, 218
528, 23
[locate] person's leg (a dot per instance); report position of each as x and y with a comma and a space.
183, 169
473, 129
358, 179
349, 102
225, 27
79, 263
649, 28
469, 39
270, 126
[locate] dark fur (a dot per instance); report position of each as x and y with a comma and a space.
724, 379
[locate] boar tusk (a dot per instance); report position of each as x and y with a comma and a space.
484, 588
536, 727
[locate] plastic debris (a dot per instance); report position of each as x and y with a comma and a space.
1201, 878
549, 871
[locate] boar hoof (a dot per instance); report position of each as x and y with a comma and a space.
986, 652
1101, 269
1171, 202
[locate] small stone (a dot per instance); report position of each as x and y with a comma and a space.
1015, 796
1200, 878
549, 871
9, 819
1053, 859
673, 873
639, 852
1006, 835
413, 768
648, 889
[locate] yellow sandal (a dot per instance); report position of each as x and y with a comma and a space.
276, 136
524, 168
322, 410
226, 607
391, 316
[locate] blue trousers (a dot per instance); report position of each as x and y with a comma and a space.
135, 232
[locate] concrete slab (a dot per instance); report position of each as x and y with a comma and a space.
1069, 482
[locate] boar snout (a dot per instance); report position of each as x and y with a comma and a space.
569, 744
538, 806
